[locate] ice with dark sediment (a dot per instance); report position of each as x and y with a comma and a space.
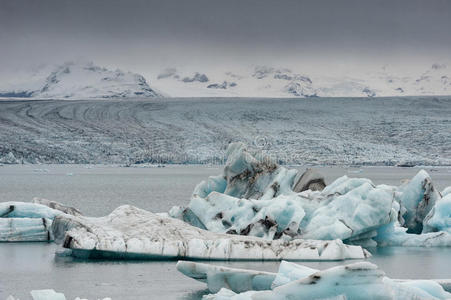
254, 196
361, 280
30, 222
130, 232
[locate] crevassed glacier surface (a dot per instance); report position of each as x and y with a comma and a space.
332, 131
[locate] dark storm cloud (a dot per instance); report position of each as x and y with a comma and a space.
175, 31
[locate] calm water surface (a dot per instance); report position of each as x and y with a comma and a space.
97, 190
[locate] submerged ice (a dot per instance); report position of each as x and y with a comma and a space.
255, 196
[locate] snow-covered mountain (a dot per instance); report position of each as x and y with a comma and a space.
80, 81
266, 81
86, 80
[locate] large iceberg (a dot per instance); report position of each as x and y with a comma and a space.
254, 196
132, 233
361, 280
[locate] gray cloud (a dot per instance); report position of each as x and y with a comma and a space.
149, 34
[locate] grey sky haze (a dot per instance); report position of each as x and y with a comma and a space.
144, 36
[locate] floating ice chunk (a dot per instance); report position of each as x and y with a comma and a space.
130, 232
217, 277
13, 209
344, 184
290, 271
262, 218
58, 206
439, 218
26, 222
47, 295
360, 280
394, 235
357, 210
354, 208
350, 281
418, 197
214, 183
416, 289
249, 175
25, 230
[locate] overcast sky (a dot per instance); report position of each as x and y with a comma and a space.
145, 36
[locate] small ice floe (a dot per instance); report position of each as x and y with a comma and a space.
30, 222
48, 294
361, 280
256, 197
132, 233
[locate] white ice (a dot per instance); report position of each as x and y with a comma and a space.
217, 277
361, 280
255, 196
30, 222
48, 294
130, 232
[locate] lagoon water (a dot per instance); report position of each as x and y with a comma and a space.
97, 190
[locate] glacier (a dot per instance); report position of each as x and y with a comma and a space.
257, 197
132, 233
307, 132
294, 281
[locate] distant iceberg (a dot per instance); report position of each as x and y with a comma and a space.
292, 281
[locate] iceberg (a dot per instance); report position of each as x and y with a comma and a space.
418, 198
439, 218
254, 196
132, 233
30, 222
217, 277
12, 209
26, 222
353, 281
25, 230
47, 295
